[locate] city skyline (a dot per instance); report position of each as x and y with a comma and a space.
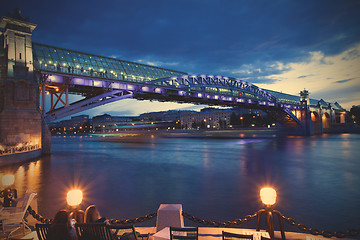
277, 45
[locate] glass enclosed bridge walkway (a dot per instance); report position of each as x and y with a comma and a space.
101, 80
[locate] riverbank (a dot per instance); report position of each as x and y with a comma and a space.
19, 157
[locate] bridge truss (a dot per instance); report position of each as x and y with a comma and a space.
197, 89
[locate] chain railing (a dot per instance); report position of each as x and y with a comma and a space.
327, 234
112, 221
248, 218
238, 221
38, 216
133, 220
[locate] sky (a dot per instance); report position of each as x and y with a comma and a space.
282, 45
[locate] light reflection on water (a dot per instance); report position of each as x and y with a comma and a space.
317, 178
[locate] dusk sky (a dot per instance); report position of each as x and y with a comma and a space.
282, 45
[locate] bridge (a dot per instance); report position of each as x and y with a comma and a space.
31, 71
101, 80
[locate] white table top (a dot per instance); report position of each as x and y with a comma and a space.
213, 233
31, 235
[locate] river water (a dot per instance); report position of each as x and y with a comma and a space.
317, 178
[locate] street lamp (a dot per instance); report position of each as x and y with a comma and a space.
268, 197
8, 193
74, 198
242, 121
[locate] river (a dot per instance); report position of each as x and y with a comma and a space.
317, 178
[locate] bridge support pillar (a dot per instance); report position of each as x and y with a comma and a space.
308, 127
45, 138
321, 126
20, 118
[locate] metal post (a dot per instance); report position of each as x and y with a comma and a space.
43, 97
52, 101
281, 223
269, 222
66, 96
259, 213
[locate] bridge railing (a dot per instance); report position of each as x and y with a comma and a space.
18, 148
77, 70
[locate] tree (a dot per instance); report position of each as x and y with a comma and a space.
355, 114
234, 119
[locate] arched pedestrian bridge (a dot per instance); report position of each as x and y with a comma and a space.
101, 80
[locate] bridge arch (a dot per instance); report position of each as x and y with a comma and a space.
317, 122
326, 120
215, 84
315, 117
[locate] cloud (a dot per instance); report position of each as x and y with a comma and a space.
156, 62
305, 76
345, 80
317, 74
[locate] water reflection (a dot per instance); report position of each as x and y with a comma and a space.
316, 178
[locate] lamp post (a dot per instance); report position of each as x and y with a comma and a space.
8, 193
74, 198
242, 121
268, 198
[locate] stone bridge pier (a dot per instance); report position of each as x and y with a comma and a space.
23, 132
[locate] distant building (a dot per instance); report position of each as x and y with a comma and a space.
108, 123
171, 115
77, 124
214, 117
208, 118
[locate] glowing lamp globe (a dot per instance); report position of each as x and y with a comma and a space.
8, 180
74, 197
268, 196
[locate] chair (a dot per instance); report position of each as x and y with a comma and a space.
12, 218
121, 230
234, 236
129, 230
184, 233
42, 230
93, 231
20, 239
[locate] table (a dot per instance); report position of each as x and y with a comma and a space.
32, 235
213, 233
